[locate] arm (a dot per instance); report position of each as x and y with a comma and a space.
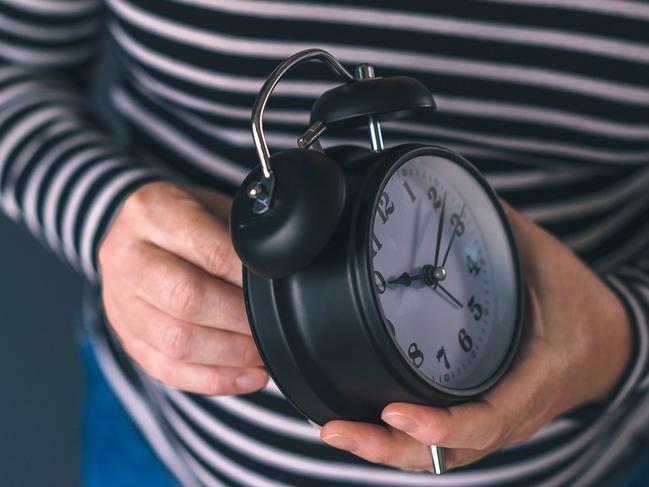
61, 173
171, 282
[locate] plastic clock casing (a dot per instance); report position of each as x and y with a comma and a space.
320, 331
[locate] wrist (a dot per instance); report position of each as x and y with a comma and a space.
593, 368
615, 348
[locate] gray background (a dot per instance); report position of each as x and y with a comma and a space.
40, 376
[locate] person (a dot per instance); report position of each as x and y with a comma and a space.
548, 98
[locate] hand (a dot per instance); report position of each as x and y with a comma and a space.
171, 289
575, 348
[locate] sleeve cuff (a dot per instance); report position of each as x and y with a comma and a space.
638, 315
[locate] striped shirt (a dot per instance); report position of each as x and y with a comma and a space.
549, 98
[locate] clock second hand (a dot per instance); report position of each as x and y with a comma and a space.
448, 249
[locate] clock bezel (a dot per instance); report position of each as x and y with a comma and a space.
381, 333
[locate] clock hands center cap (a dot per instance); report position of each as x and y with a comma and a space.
431, 275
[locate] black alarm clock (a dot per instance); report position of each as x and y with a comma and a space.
374, 275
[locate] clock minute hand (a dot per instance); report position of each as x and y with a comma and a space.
440, 228
448, 249
450, 296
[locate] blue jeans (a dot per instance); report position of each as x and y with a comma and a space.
114, 453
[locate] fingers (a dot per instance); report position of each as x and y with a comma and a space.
392, 447
199, 379
171, 288
377, 444
475, 425
176, 339
459, 457
177, 221
184, 291
509, 413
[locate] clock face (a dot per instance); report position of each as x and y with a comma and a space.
444, 272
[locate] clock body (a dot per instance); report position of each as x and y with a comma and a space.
372, 320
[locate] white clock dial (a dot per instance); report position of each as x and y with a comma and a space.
439, 262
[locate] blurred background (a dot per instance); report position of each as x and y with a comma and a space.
40, 375
41, 379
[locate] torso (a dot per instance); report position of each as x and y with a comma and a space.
551, 103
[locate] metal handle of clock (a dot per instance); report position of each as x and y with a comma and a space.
266, 90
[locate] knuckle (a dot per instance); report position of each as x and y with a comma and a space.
106, 254
441, 434
176, 341
163, 372
186, 297
142, 198
214, 384
379, 455
218, 260
250, 354
112, 311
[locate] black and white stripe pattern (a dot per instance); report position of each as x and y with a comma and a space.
549, 98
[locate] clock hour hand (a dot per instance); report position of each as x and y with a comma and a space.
405, 279
429, 275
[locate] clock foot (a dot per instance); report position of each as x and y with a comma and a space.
438, 456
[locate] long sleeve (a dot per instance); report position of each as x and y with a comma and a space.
61, 173
630, 280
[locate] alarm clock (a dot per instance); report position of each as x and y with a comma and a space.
374, 275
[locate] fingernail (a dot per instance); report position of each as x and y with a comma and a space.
250, 381
400, 422
341, 442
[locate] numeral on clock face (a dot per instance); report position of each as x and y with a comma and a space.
475, 308
466, 342
416, 355
431, 273
409, 190
441, 353
376, 245
379, 282
434, 197
456, 222
473, 266
385, 207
